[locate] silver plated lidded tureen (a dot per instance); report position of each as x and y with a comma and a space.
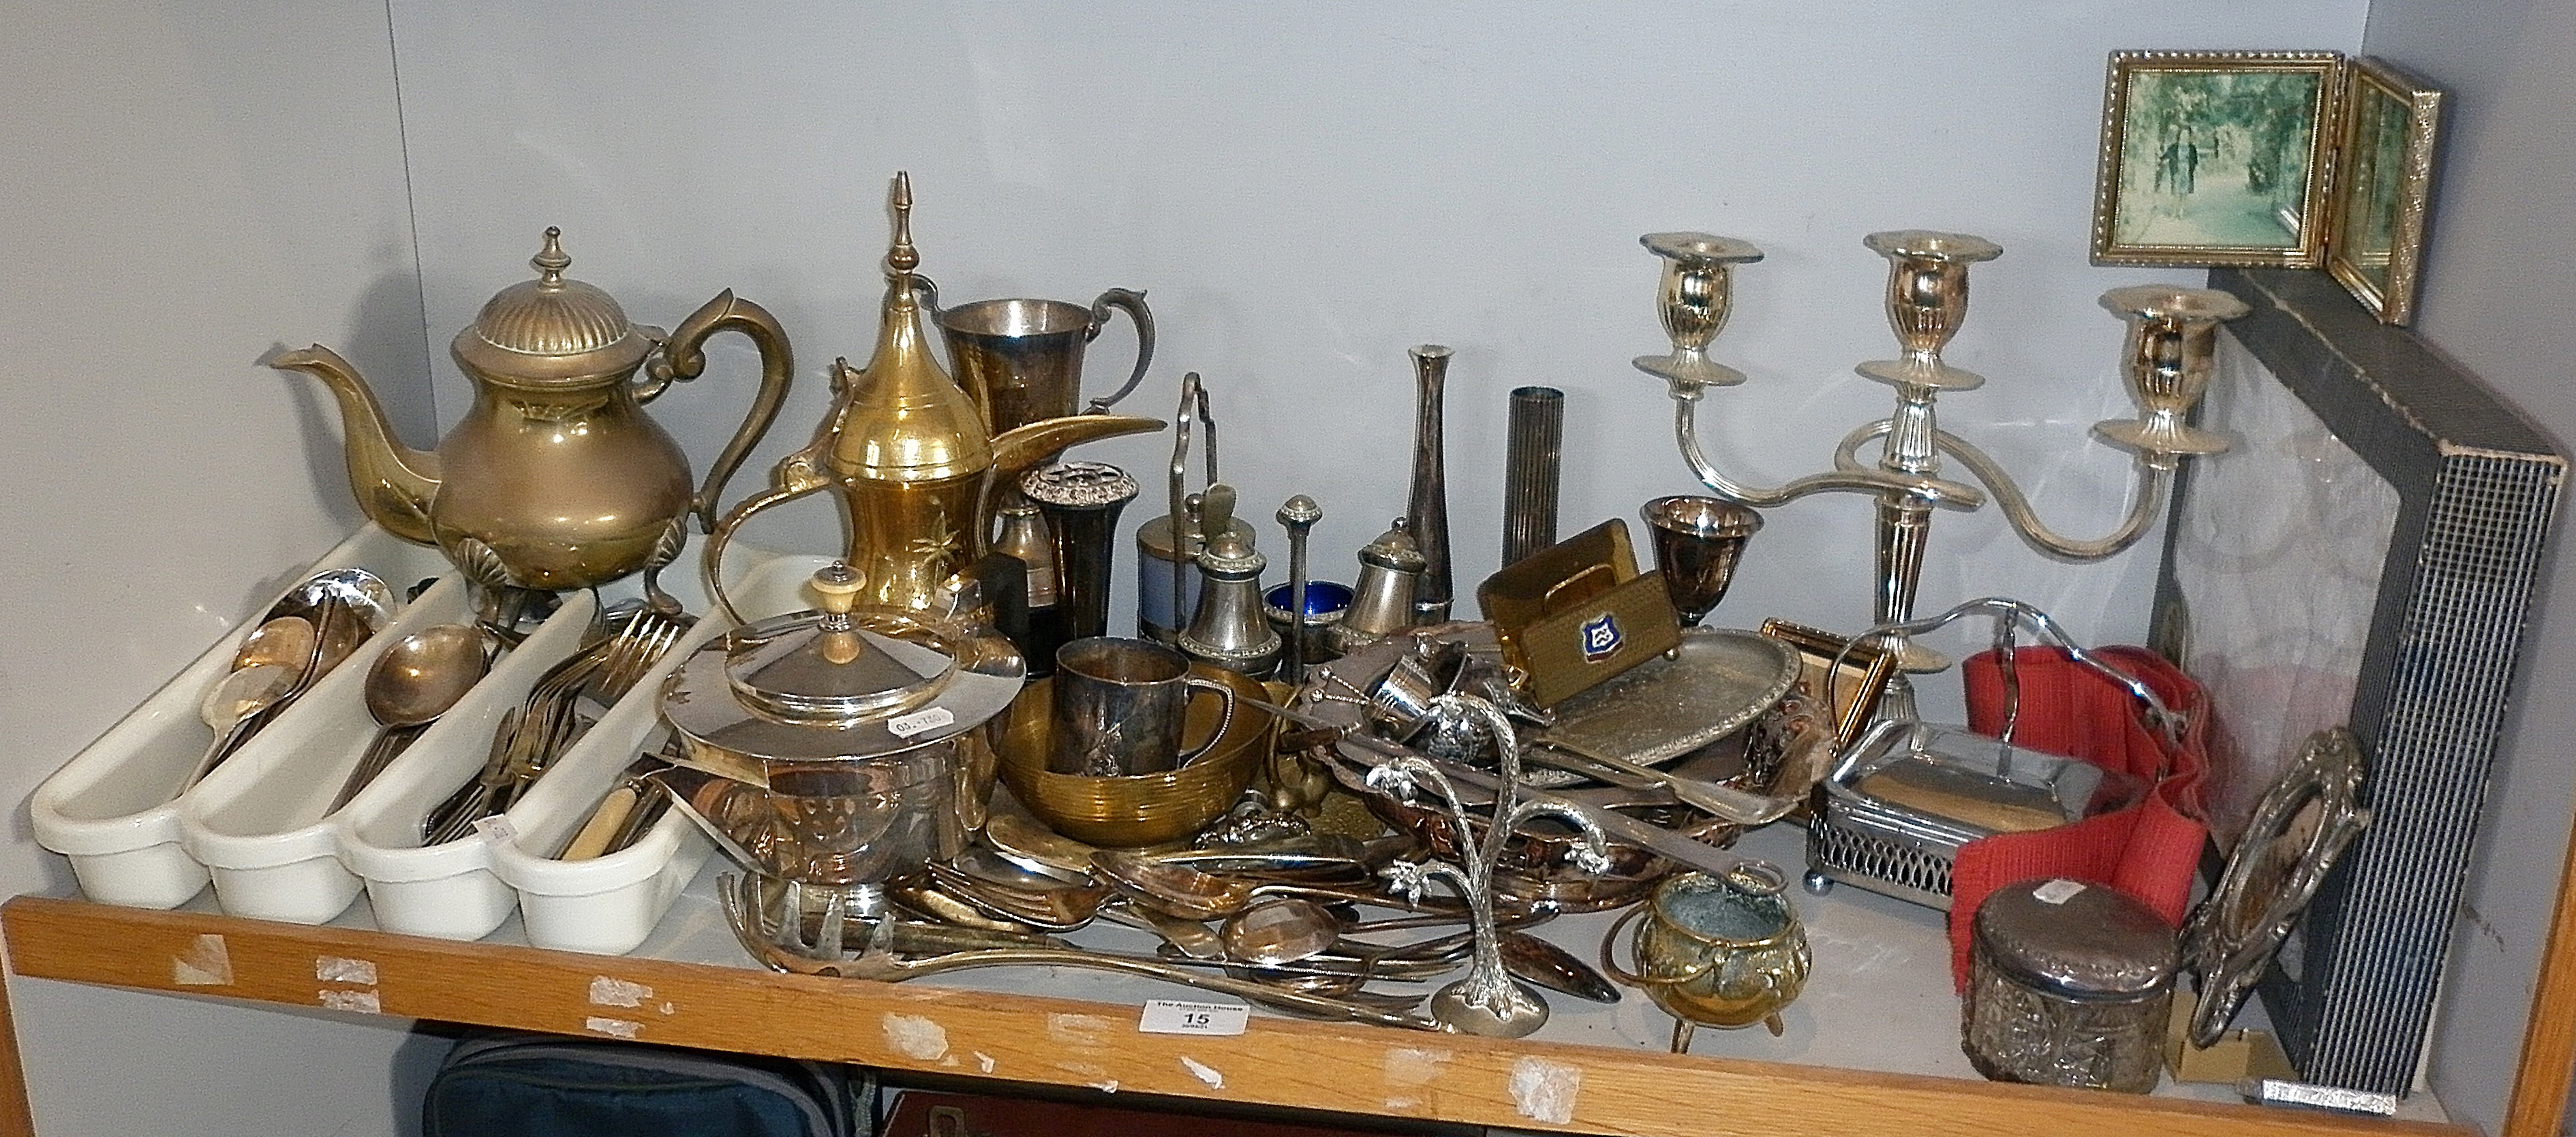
848, 746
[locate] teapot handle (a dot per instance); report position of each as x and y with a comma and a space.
683, 357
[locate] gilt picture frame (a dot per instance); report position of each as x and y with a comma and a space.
2216, 158
2383, 192
1855, 674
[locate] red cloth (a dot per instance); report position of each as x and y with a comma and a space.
2150, 850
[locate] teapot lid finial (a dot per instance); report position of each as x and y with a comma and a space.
551, 261
902, 258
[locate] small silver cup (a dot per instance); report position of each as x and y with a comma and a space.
1120, 705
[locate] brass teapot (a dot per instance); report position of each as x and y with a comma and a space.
555, 479
906, 450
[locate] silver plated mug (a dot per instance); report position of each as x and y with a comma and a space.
1120, 705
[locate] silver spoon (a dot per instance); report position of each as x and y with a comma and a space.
1279, 929
412, 683
234, 703
1185, 891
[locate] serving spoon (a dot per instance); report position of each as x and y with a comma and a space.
412, 683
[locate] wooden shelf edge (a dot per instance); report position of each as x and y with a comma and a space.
1325, 1066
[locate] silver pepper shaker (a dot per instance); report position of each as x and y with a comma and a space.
1382, 600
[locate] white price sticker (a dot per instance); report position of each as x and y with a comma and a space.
2057, 891
1176, 1016
905, 726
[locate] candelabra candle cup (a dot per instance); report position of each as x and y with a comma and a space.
1697, 292
1081, 501
1120, 705
1927, 299
2166, 359
1698, 542
1532, 458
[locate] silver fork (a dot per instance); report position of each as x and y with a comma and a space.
616, 668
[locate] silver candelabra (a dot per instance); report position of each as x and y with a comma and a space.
2172, 336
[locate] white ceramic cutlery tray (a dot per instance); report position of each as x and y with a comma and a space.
114, 808
449, 890
258, 824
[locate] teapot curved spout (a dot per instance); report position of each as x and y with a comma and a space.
393, 482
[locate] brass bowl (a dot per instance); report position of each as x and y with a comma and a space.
1134, 810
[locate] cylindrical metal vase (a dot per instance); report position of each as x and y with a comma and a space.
1533, 457
1081, 501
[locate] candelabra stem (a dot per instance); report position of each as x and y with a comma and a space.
1904, 528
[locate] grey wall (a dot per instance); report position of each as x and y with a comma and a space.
2500, 275
185, 186
1306, 191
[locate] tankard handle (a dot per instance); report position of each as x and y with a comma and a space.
1131, 301
1224, 717
683, 357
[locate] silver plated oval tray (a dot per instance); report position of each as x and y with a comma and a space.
1714, 684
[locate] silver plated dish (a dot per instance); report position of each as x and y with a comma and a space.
1902, 801
1713, 685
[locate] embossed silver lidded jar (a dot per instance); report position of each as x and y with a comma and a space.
2069, 985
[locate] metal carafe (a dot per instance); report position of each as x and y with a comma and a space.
555, 479
1230, 630
906, 454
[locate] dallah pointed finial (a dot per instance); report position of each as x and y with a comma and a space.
902, 258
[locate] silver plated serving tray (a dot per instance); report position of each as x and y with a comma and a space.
1714, 684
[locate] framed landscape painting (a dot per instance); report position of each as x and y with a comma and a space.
2215, 158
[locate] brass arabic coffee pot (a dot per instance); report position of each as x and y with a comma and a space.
555, 479
907, 456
